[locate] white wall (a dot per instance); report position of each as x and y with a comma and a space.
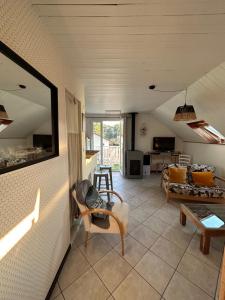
209, 154
154, 128
28, 269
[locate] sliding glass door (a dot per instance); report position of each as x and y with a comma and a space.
106, 138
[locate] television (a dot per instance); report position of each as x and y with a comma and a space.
164, 144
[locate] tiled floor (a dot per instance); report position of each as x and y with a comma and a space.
162, 259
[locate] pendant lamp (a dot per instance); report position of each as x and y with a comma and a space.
185, 112
4, 119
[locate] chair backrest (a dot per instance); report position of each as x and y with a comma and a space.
83, 208
184, 159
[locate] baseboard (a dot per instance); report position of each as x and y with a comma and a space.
57, 274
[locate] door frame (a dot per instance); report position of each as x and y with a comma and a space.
101, 120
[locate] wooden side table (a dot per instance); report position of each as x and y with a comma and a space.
195, 213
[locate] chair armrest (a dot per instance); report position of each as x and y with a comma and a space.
105, 212
112, 192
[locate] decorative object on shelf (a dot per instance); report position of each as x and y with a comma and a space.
185, 112
4, 118
143, 129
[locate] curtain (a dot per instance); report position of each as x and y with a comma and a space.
126, 119
73, 117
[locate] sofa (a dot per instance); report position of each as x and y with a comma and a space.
189, 191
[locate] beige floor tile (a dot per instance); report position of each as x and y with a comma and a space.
132, 224
155, 271
199, 273
134, 287
74, 267
180, 288
59, 297
168, 251
134, 251
55, 292
189, 228
156, 225
214, 257
178, 236
166, 215
112, 239
79, 237
96, 248
88, 286
218, 243
112, 269
141, 214
144, 235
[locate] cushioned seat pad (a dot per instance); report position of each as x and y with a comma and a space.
188, 189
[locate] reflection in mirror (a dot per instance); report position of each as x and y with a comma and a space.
25, 116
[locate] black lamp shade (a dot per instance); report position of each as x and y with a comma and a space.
185, 113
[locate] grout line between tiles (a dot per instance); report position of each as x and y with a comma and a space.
112, 247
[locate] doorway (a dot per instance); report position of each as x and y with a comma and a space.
106, 138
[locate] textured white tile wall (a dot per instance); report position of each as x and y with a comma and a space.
28, 270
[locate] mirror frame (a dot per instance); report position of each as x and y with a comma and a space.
5, 50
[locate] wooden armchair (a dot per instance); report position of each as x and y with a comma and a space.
118, 218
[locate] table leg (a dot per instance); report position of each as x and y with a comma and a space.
201, 242
107, 186
99, 182
182, 218
205, 244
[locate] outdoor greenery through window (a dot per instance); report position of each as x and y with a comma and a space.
106, 139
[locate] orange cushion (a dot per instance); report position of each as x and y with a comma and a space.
203, 178
178, 175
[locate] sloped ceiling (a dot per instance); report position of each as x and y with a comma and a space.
27, 116
28, 108
208, 97
118, 47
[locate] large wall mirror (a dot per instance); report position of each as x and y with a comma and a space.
28, 114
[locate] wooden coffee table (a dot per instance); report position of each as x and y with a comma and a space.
196, 213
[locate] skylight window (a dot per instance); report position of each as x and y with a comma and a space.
207, 132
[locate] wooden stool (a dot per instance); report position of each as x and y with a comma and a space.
98, 179
109, 169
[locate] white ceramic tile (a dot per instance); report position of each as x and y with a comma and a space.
55, 292
144, 235
88, 286
155, 271
199, 273
214, 257
180, 288
96, 248
134, 287
168, 251
141, 214
112, 269
178, 236
74, 267
156, 224
132, 224
134, 251
59, 297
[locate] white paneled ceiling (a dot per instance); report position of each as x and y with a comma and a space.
119, 47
